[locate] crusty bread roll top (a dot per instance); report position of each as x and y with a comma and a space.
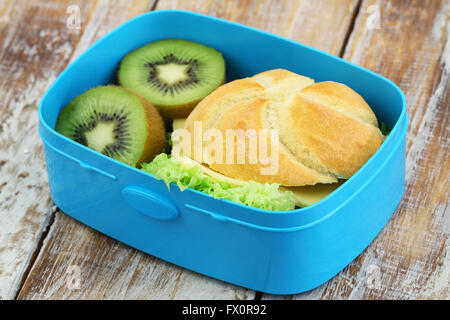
326, 130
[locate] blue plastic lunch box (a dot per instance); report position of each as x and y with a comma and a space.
274, 252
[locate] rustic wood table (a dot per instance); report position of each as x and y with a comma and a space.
42, 249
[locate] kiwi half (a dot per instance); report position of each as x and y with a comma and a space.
116, 122
173, 74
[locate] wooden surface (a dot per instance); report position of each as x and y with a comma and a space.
41, 248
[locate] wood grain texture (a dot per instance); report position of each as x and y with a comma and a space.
322, 24
412, 49
33, 51
35, 46
110, 270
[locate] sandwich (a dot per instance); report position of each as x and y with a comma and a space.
275, 141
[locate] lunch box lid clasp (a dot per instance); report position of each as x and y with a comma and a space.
149, 203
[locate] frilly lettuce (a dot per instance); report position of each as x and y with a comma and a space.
186, 175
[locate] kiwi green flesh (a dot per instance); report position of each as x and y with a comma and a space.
108, 119
173, 72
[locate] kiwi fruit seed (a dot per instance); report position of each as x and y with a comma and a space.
173, 74
116, 122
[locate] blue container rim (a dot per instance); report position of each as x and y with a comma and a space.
398, 131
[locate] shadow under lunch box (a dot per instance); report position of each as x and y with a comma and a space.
275, 252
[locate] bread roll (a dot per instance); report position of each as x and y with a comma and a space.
326, 130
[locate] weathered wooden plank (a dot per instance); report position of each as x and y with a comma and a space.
33, 50
322, 24
36, 44
110, 270
412, 252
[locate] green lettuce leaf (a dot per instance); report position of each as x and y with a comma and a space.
263, 196
384, 129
